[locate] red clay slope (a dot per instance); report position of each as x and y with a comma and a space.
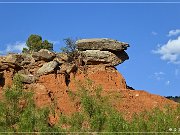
53, 87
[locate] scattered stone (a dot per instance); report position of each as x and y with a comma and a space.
47, 68
103, 44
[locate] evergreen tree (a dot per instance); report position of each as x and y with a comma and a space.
35, 43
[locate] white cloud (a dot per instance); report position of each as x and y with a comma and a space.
170, 51
174, 32
18, 46
159, 75
15, 47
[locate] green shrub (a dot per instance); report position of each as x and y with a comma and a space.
35, 43
18, 112
100, 116
70, 49
96, 115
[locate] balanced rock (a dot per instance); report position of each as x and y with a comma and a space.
102, 51
101, 44
95, 57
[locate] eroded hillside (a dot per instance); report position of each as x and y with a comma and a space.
56, 76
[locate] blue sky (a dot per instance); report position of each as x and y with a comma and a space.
152, 30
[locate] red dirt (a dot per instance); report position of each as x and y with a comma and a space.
106, 77
135, 101
53, 88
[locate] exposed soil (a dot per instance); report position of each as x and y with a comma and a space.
52, 88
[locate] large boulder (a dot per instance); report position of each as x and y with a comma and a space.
47, 68
10, 61
95, 57
28, 59
101, 44
3, 66
15, 59
44, 54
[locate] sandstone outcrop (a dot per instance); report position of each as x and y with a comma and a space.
47, 68
103, 44
44, 54
102, 51
95, 57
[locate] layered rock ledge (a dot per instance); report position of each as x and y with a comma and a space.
103, 44
102, 51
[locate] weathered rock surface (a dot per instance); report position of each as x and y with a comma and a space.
95, 57
47, 68
10, 61
68, 68
61, 58
15, 59
27, 59
102, 51
101, 44
44, 54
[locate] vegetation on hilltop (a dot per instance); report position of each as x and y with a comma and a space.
70, 49
35, 43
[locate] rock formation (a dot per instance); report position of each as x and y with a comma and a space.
103, 44
103, 51
51, 75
